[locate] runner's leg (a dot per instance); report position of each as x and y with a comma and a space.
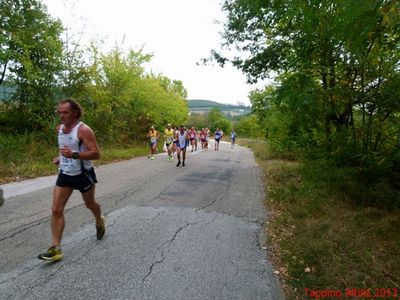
60, 198
183, 156
178, 154
91, 204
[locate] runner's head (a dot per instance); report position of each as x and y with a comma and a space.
181, 128
169, 126
72, 105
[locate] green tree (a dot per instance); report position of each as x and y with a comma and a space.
249, 126
336, 62
198, 120
30, 61
213, 116
123, 101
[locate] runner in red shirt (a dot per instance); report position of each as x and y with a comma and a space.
192, 138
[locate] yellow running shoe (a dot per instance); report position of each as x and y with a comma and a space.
53, 254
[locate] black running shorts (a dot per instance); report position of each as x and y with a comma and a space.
82, 182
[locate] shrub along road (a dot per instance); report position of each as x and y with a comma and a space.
193, 232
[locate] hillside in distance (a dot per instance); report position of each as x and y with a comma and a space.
204, 106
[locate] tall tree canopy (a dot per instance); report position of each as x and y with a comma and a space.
30, 55
37, 68
337, 67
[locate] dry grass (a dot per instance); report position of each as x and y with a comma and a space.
319, 239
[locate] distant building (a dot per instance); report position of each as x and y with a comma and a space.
204, 106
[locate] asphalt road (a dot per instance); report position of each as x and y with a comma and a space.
193, 232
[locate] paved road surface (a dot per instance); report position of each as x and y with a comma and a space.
192, 232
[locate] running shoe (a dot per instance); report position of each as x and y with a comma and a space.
183, 164
153, 158
101, 228
149, 156
179, 163
53, 254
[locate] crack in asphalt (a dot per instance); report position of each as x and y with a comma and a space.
46, 280
170, 241
223, 191
162, 259
23, 228
208, 205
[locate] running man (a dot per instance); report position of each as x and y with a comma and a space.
175, 144
169, 141
203, 139
218, 135
154, 136
233, 138
192, 137
77, 147
182, 138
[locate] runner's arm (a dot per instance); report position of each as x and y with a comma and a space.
88, 138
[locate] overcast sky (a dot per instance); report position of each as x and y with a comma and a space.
179, 33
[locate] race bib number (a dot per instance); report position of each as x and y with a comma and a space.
67, 164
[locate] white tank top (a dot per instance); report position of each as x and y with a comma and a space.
182, 140
71, 166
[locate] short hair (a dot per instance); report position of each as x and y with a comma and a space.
75, 106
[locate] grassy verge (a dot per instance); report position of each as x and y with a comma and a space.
320, 240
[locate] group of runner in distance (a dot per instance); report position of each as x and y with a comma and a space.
177, 140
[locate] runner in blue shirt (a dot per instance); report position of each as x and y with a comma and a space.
233, 138
218, 135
